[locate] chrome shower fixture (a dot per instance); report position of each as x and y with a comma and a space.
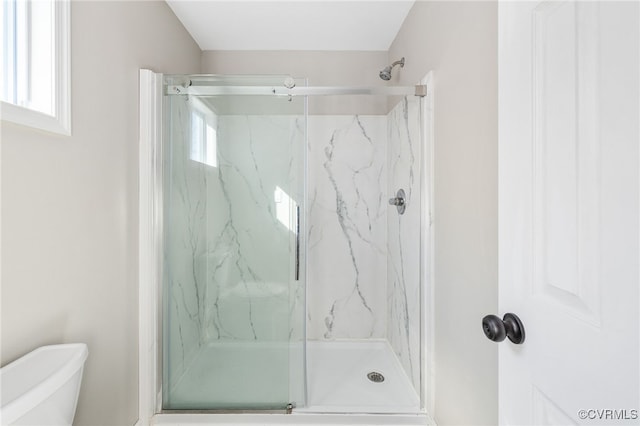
385, 74
399, 201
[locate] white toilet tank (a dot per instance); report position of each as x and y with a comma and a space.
42, 387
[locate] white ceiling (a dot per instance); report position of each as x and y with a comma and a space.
292, 25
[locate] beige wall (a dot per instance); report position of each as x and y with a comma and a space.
322, 68
69, 206
458, 41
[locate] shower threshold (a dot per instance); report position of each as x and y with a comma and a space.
292, 419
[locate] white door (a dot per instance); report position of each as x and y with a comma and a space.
568, 211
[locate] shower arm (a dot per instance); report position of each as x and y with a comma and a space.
398, 62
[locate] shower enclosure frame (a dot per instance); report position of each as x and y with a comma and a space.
151, 253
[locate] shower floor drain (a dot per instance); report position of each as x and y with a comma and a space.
375, 377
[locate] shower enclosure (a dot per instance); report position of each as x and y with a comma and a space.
285, 280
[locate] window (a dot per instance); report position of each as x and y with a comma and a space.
35, 64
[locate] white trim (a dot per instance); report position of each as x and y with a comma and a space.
427, 244
60, 121
149, 240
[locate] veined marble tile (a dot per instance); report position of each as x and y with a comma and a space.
251, 230
232, 187
185, 243
347, 227
403, 242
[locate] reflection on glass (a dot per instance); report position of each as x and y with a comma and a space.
203, 139
285, 208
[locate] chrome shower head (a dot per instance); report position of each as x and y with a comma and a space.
385, 74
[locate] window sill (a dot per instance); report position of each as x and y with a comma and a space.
60, 125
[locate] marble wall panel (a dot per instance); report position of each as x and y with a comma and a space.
347, 227
403, 240
232, 187
251, 222
184, 241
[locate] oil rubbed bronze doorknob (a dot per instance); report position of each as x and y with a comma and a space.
497, 329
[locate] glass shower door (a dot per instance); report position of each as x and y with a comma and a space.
233, 290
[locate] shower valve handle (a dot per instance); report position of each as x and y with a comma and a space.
399, 201
396, 201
